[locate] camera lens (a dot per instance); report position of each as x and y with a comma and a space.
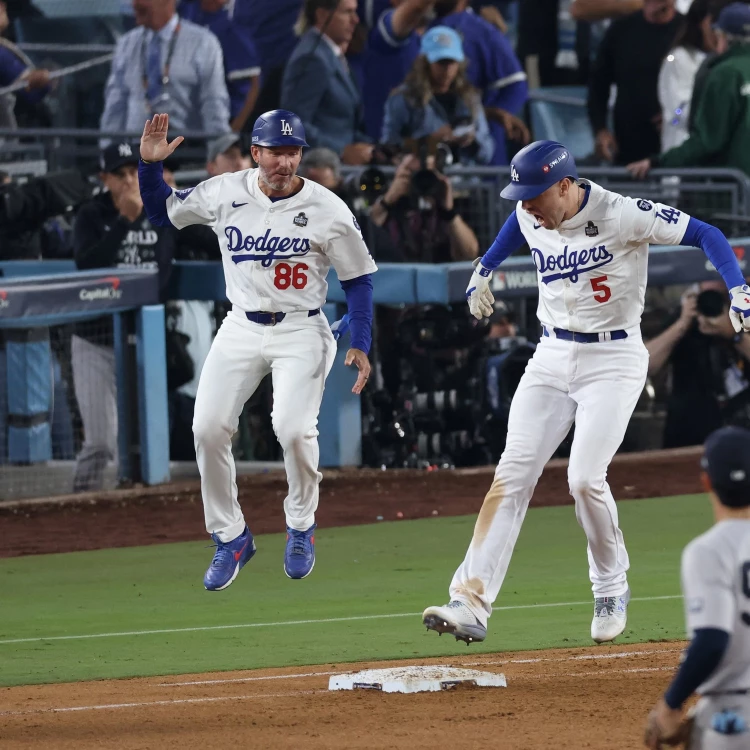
710, 303
425, 182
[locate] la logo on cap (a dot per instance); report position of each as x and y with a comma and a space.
286, 128
514, 175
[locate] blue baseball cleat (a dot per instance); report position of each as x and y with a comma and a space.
299, 556
228, 559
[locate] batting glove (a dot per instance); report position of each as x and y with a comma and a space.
340, 327
478, 293
739, 308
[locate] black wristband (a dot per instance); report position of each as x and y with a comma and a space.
447, 214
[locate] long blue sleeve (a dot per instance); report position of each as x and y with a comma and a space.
359, 303
703, 656
508, 240
154, 192
714, 244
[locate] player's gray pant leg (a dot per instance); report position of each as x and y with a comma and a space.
302, 353
613, 376
232, 371
540, 417
96, 393
715, 718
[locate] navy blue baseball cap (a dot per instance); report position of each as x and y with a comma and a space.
278, 127
734, 19
726, 460
537, 167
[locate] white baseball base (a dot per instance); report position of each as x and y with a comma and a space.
415, 679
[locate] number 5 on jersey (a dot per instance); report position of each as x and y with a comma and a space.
602, 292
285, 276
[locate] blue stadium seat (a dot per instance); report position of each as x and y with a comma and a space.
566, 123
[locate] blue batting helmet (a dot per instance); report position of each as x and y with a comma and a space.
537, 167
279, 127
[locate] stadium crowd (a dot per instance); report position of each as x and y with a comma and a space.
411, 85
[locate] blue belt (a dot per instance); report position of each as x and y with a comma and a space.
272, 318
587, 338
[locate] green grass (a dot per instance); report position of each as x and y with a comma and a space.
384, 569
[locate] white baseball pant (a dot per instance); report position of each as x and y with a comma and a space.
596, 385
96, 392
299, 353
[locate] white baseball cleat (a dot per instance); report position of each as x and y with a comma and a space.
457, 619
610, 617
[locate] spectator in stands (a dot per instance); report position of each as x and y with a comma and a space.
241, 61
437, 100
630, 57
419, 214
720, 128
170, 65
494, 69
15, 66
318, 84
694, 41
710, 366
392, 46
224, 154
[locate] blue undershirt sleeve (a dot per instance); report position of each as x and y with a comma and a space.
508, 240
703, 656
154, 192
714, 244
358, 293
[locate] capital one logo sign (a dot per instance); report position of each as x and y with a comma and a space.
286, 128
111, 291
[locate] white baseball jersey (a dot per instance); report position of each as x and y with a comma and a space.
592, 270
716, 586
276, 254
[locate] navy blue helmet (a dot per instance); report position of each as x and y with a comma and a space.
726, 460
279, 127
537, 167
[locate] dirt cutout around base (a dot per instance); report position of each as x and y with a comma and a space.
174, 512
579, 698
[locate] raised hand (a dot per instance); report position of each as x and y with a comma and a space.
154, 146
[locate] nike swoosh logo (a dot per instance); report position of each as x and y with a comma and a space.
238, 555
536, 226
237, 205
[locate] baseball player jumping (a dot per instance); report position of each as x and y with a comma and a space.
716, 588
590, 249
279, 235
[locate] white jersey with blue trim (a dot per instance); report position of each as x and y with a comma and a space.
276, 254
592, 269
716, 586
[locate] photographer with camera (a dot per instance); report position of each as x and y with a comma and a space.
419, 214
437, 100
710, 367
